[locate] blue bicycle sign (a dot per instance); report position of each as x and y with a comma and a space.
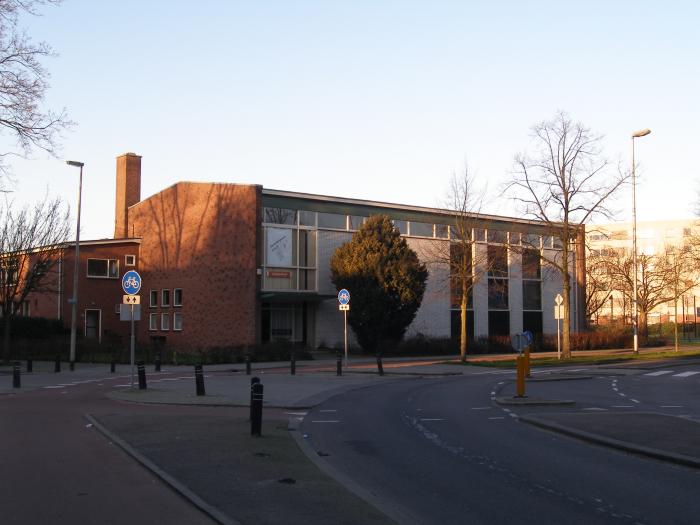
131, 282
343, 296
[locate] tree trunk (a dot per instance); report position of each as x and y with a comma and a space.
643, 326
6, 339
463, 326
566, 285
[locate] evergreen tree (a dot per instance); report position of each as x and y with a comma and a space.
385, 279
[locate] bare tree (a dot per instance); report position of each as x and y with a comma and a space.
31, 244
563, 184
662, 278
598, 282
23, 85
466, 265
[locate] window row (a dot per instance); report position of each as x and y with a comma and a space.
337, 221
107, 268
165, 322
165, 298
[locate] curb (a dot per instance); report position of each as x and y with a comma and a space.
532, 401
624, 446
178, 487
561, 377
390, 510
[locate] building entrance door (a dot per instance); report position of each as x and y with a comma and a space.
92, 324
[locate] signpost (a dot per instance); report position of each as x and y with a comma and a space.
558, 314
344, 306
131, 284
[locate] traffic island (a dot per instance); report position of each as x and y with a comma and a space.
531, 401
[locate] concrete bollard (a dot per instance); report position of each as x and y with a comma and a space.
520, 376
247, 364
380, 365
157, 362
338, 364
293, 363
16, 375
199, 379
253, 381
141, 368
256, 406
30, 365
57, 364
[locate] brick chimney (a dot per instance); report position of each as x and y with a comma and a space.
128, 191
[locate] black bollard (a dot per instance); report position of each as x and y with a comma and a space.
380, 366
253, 381
57, 364
30, 365
199, 379
141, 368
256, 406
16, 377
338, 364
293, 363
71, 365
157, 362
247, 364
112, 367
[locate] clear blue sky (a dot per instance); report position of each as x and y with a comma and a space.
374, 100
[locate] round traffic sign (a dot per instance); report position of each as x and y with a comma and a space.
343, 296
131, 282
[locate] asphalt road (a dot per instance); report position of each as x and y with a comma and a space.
441, 451
58, 469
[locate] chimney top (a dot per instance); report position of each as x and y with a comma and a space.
129, 154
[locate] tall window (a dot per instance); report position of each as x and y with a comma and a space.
498, 285
532, 291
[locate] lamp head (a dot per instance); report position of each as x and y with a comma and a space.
75, 163
640, 133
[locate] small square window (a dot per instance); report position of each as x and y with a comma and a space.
154, 299
165, 298
153, 322
117, 309
130, 260
165, 321
177, 297
177, 321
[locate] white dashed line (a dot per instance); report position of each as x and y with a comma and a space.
431, 419
497, 417
622, 406
481, 408
326, 421
597, 409
328, 410
634, 400
685, 374
659, 373
671, 406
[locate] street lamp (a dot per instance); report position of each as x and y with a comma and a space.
635, 135
74, 300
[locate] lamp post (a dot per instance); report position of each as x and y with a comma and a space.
74, 300
635, 135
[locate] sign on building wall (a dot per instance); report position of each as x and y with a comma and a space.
279, 247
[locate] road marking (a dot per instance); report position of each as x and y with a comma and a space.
506, 409
622, 406
659, 373
326, 421
513, 415
615, 388
634, 400
498, 417
431, 419
623, 395
55, 386
328, 410
481, 408
671, 406
685, 374
296, 413
597, 409
493, 393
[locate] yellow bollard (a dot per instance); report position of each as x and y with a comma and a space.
527, 361
520, 376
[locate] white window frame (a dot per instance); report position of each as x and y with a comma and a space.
152, 322
163, 293
165, 322
87, 268
128, 258
175, 290
151, 294
176, 328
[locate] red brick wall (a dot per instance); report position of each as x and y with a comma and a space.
93, 293
202, 238
128, 192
